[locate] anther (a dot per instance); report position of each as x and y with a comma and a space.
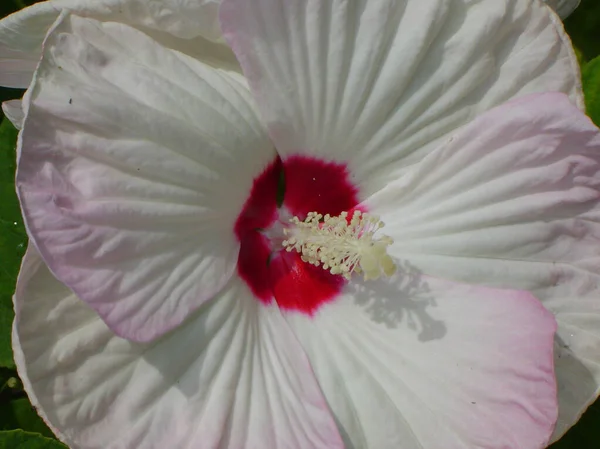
342, 245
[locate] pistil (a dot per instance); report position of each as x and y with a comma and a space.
341, 244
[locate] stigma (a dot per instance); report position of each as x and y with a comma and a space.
342, 245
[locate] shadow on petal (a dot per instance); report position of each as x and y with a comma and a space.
402, 300
567, 367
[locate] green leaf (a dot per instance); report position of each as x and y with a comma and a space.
13, 238
6, 317
20, 414
11, 235
18, 439
582, 27
591, 88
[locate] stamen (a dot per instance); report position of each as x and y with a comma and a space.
342, 246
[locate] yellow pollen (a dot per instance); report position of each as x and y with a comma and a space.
341, 245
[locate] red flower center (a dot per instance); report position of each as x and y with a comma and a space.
307, 185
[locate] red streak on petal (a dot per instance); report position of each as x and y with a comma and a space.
270, 272
312, 185
260, 209
259, 212
300, 286
253, 265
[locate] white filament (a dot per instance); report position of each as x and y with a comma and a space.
342, 246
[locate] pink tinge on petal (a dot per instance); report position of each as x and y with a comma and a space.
513, 200
130, 203
271, 272
420, 362
96, 390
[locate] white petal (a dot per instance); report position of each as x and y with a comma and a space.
135, 163
184, 25
418, 363
378, 83
182, 18
13, 110
563, 8
512, 200
21, 37
232, 377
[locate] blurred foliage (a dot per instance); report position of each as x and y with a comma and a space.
591, 81
583, 26
15, 410
19, 439
13, 238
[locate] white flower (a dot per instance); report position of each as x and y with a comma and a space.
148, 184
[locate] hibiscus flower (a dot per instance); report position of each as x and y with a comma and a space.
167, 312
